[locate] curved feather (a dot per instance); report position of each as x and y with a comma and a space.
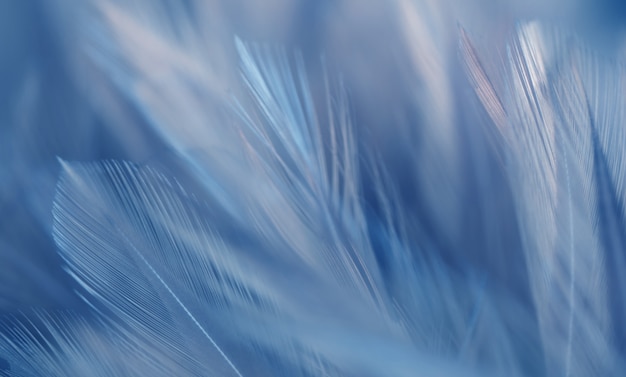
120, 211
311, 281
139, 245
268, 145
304, 297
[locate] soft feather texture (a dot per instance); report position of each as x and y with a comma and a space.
308, 297
287, 245
140, 246
555, 158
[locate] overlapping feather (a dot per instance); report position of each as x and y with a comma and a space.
306, 297
312, 281
140, 246
554, 157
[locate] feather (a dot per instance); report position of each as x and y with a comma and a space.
307, 299
61, 344
140, 248
551, 133
286, 244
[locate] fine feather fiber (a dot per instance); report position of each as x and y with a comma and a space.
292, 188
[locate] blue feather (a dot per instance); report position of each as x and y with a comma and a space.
477, 230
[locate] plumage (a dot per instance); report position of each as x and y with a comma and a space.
280, 237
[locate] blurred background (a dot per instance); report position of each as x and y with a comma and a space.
51, 104
398, 60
